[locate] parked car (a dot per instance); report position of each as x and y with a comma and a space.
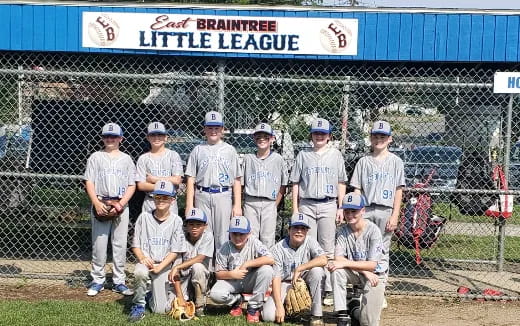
443, 160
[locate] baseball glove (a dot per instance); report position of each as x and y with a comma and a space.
298, 300
182, 310
114, 209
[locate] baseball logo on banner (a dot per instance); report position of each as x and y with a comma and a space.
335, 38
103, 31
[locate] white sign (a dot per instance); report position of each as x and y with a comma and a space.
506, 82
238, 34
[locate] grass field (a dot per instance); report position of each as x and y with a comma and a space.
451, 212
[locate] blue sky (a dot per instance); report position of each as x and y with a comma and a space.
463, 4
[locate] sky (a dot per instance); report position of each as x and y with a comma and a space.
463, 4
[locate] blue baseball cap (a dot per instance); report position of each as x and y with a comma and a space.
239, 224
213, 118
164, 187
353, 200
299, 219
197, 215
156, 128
321, 125
381, 127
112, 129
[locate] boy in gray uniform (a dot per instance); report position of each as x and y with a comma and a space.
319, 184
213, 178
379, 176
296, 256
358, 252
264, 176
109, 175
194, 268
160, 163
243, 264
158, 239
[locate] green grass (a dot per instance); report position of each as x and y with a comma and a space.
451, 211
58, 312
468, 247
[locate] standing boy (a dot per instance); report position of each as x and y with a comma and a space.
194, 268
358, 252
265, 178
158, 239
109, 176
379, 176
296, 256
242, 265
160, 163
213, 182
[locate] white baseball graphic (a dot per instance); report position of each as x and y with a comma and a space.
335, 38
103, 31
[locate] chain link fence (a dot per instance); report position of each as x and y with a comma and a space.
451, 131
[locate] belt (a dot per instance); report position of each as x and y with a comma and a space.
321, 200
108, 198
213, 189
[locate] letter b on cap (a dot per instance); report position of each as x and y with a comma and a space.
237, 222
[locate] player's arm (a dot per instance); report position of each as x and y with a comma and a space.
236, 274
185, 265
167, 261
342, 189
342, 262
142, 258
190, 193
281, 193
295, 189
175, 179
91, 192
319, 261
237, 197
277, 298
257, 262
391, 225
129, 192
145, 186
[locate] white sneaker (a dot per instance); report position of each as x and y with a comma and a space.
385, 304
94, 289
328, 300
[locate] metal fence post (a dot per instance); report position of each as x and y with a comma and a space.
221, 86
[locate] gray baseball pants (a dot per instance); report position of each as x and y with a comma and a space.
322, 219
372, 299
261, 213
217, 207
161, 294
379, 215
257, 281
314, 279
196, 274
117, 230
149, 205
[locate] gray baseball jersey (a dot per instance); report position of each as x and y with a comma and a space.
366, 247
213, 165
263, 177
229, 257
204, 246
318, 174
286, 258
157, 239
111, 175
378, 180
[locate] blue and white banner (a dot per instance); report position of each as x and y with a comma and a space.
239, 34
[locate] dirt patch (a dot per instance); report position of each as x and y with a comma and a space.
402, 310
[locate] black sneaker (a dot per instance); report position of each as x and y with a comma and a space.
343, 320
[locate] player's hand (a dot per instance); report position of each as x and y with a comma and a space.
339, 215
148, 262
236, 211
372, 278
239, 274
391, 225
332, 265
100, 208
279, 314
296, 276
174, 274
151, 179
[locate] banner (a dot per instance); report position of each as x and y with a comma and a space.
238, 34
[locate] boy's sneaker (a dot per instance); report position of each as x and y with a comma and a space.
94, 289
316, 321
343, 320
136, 314
385, 303
123, 289
253, 315
328, 299
199, 312
236, 308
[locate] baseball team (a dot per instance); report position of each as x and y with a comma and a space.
225, 247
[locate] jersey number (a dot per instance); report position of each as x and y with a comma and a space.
222, 177
387, 194
329, 189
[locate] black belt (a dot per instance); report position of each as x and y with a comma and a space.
213, 189
322, 200
108, 198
